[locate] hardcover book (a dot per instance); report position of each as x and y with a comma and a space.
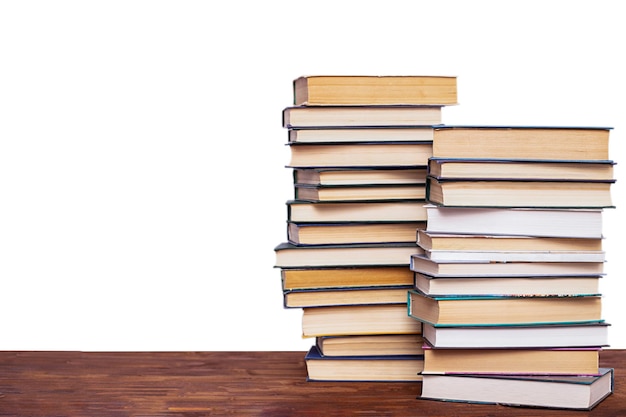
578, 392
362, 116
526, 361
358, 320
370, 154
356, 211
326, 297
374, 345
345, 277
504, 310
519, 193
388, 368
522, 142
579, 223
342, 134
380, 89
360, 176
477, 242
485, 268
351, 232
366, 254
493, 285
520, 336
361, 193
514, 256
563, 170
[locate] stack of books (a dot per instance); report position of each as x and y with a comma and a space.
507, 286
359, 148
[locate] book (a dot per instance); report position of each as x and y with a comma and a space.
451, 168
351, 232
327, 193
360, 176
522, 142
344, 296
348, 134
503, 309
388, 254
356, 211
514, 256
421, 263
365, 89
345, 277
362, 117
532, 285
526, 222
374, 345
436, 241
370, 154
397, 368
528, 336
358, 320
580, 392
527, 361
531, 194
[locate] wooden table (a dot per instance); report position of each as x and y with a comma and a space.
193, 384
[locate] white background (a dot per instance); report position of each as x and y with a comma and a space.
142, 178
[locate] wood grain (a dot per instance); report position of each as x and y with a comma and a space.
193, 384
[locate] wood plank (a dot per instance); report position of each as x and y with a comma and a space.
194, 384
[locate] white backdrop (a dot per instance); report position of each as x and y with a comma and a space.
142, 178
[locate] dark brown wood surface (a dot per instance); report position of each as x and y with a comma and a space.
193, 384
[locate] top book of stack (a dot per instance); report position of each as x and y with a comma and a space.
344, 90
534, 143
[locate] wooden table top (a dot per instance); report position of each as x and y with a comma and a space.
193, 384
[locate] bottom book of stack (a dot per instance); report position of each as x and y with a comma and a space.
581, 392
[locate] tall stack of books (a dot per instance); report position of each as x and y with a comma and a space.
507, 286
359, 148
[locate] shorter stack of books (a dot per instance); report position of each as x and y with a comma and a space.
507, 289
